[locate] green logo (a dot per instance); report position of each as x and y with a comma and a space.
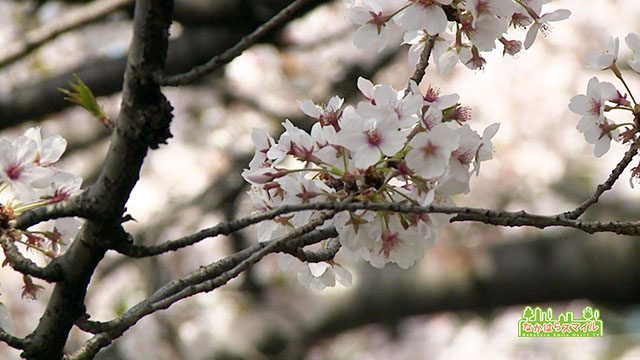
536, 323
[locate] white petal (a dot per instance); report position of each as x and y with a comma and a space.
309, 107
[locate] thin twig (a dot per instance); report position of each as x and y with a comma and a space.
70, 21
52, 272
13, 341
199, 71
494, 217
606, 186
419, 72
77, 205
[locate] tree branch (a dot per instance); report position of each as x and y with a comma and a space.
143, 123
606, 186
205, 279
70, 21
486, 216
78, 205
53, 272
13, 341
419, 72
246, 42
325, 254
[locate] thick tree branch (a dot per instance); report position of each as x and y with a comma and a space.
70, 21
143, 123
246, 42
606, 186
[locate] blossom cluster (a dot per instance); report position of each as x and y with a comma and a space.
602, 97
414, 149
29, 179
461, 29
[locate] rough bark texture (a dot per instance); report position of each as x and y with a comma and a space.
143, 123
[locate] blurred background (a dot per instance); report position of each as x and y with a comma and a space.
462, 300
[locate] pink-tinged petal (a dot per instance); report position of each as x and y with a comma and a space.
437, 20
531, 35
366, 87
318, 269
446, 62
447, 101
634, 63
633, 42
560, 14
52, 149
366, 156
413, 18
602, 146
490, 131
359, 15
608, 91
578, 104
366, 36
23, 192
383, 39
593, 88
343, 275
335, 102
385, 95
372, 5
309, 108
27, 150
38, 177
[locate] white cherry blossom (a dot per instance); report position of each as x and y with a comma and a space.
633, 42
600, 60
594, 125
427, 15
430, 151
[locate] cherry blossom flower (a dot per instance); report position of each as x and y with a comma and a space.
387, 102
395, 243
430, 151
316, 276
424, 14
373, 21
633, 42
534, 8
369, 139
326, 115
433, 97
602, 60
500, 8
484, 31
19, 170
596, 128
49, 149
